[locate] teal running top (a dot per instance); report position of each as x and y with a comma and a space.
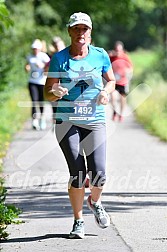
83, 79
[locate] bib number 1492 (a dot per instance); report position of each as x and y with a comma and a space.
83, 110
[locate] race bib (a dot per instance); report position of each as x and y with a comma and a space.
83, 110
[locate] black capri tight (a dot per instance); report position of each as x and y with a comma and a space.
84, 147
36, 94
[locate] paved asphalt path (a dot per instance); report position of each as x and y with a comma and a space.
135, 193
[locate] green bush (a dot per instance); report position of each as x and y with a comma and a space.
8, 213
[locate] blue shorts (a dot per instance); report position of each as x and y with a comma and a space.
84, 147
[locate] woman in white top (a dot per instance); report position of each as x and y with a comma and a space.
35, 66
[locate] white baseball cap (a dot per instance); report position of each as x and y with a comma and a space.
37, 44
79, 18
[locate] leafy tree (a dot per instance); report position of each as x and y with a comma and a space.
137, 23
5, 20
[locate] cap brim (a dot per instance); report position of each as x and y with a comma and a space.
36, 47
79, 22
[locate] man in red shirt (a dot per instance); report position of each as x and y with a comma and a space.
122, 68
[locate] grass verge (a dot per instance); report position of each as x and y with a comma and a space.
12, 117
152, 113
12, 120
8, 213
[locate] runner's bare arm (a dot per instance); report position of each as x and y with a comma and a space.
109, 87
50, 82
110, 81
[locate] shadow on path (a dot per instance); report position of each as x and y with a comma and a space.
42, 237
37, 204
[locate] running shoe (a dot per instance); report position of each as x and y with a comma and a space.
78, 230
43, 124
101, 217
121, 118
114, 117
35, 124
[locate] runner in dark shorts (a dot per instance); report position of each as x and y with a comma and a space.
123, 69
123, 90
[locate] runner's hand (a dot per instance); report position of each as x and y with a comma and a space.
103, 98
59, 91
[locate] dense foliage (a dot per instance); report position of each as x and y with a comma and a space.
137, 23
5, 20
